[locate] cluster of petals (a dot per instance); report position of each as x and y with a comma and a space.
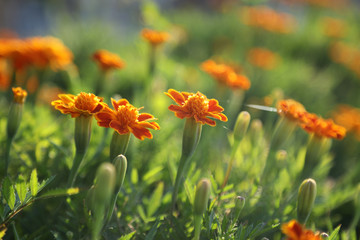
85, 104
296, 112
226, 75
197, 106
295, 231
348, 117
262, 58
347, 55
125, 118
19, 95
334, 27
154, 37
107, 60
268, 19
40, 52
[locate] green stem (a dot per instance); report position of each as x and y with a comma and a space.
197, 226
232, 157
111, 209
7, 155
179, 179
79, 156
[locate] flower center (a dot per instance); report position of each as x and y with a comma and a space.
197, 104
127, 114
86, 101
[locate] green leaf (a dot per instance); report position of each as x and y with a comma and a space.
335, 233
127, 236
44, 183
34, 185
153, 230
149, 177
60, 192
8, 192
155, 200
21, 188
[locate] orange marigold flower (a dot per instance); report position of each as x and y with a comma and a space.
125, 118
82, 104
226, 75
154, 37
5, 80
322, 127
291, 109
268, 19
334, 27
295, 231
262, 58
196, 105
348, 117
107, 60
19, 95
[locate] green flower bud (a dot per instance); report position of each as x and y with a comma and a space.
201, 196
119, 144
120, 164
241, 125
306, 199
256, 129
105, 184
239, 205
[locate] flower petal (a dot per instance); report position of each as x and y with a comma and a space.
176, 96
140, 132
145, 116
214, 106
205, 120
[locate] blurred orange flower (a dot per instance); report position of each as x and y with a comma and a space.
263, 58
291, 109
333, 27
196, 105
268, 19
348, 117
295, 231
40, 52
19, 94
5, 80
154, 37
322, 127
107, 60
226, 75
328, 3
83, 104
346, 54
125, 118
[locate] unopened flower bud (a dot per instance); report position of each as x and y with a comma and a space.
105, 184
306, 199
239, 205
120, 164
256, 129
201, 196
241, 125
15, 112
191, 137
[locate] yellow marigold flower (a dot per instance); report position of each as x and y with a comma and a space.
226, 75
107, 60
291, 109
82, 104
263, 58
154, 37
125, 118
295, 231
197, 106
19, 95
333, 27
322, 127
348, 117
268, 19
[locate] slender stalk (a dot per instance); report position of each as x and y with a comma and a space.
7, 155
179, 179
197, 226
232, 158
79, 156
